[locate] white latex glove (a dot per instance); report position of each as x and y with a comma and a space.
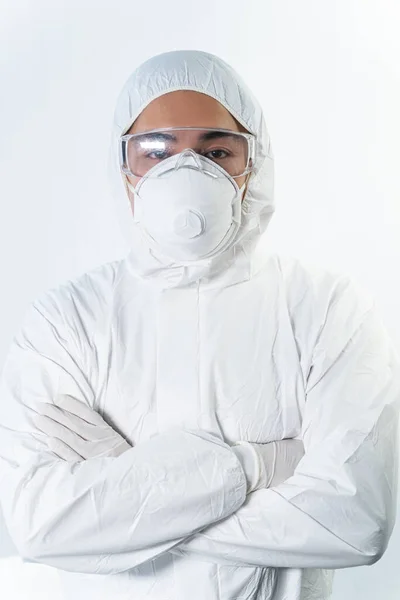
76, 432
267, 465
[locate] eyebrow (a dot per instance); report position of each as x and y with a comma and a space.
209, 135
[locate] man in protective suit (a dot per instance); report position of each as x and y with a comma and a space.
202, 419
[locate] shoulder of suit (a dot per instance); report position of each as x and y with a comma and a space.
89, 294
315, 289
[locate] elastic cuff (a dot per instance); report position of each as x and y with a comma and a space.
257, 470
272, 475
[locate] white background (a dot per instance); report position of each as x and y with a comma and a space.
327, 73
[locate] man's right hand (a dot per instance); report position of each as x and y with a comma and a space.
268, 465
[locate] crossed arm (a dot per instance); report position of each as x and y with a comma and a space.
185, 492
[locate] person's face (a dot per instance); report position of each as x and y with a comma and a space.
185, 108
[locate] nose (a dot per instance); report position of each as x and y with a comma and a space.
188, 157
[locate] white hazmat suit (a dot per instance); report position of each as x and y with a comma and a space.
184, 360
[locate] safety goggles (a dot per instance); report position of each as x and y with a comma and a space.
233, 151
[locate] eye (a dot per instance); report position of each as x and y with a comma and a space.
157, 154
217, 154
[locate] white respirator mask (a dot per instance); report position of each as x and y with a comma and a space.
187, 207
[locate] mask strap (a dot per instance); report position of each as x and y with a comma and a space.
129, 185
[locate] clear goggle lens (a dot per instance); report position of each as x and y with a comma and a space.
233, 151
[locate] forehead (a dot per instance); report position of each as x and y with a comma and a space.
185, 108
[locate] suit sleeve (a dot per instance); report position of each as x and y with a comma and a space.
106, 515
338, 509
